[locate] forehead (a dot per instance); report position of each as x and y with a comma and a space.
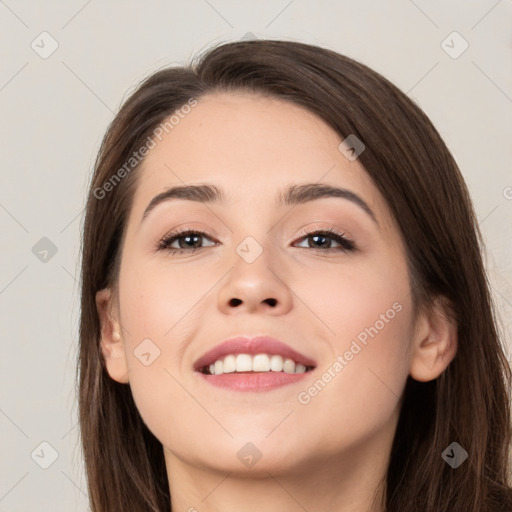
252, 147
247, 136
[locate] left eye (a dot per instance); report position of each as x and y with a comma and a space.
190, 241
320, 236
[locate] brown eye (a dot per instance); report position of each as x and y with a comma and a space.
322, 240
187, 241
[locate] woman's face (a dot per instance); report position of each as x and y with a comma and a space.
345, 306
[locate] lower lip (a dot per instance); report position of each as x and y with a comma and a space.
250, 381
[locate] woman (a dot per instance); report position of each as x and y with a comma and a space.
284, 305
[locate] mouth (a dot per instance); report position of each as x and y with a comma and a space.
253, 364
259, 363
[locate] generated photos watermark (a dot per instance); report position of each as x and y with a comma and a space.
341, 361
137, 156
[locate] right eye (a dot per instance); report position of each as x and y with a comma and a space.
190, 240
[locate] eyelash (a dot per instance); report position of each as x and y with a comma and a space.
347, 245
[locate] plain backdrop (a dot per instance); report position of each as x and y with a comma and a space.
66, 68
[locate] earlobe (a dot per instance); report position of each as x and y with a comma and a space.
111, 338
435, 342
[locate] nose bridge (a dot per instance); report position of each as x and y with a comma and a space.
253, 234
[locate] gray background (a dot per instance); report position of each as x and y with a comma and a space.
54, 111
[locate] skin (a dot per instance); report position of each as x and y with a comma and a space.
331, 453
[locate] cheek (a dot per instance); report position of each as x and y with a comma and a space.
345, 300
358, 390
161, 311
366, 318
157, 300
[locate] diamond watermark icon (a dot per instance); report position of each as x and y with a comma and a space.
146, 352
454, 455
249, 455
249, 249
44, 250
351, 147
44, 455
454, 45
249, 36
44, 45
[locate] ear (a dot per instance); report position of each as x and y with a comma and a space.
435, 341
111, 343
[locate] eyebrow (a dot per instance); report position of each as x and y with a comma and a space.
294, 195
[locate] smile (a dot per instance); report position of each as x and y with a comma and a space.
243, 363
259, 363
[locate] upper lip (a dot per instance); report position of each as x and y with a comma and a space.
252, 345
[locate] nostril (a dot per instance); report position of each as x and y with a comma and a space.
272, 302
234, 302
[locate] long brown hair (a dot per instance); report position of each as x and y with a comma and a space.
413, 169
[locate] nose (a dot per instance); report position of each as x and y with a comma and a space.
257, 286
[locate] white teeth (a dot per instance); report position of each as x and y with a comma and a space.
257, 363
243, 363
289, 366
218, 367
276, 363
229, 365
261, 363
300, 368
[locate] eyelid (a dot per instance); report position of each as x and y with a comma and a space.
326, 229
